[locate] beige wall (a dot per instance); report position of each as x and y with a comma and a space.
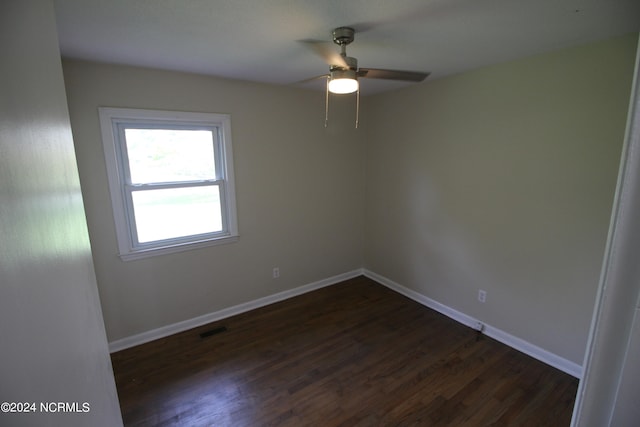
502, 179
499, 179
299, 191
53, 346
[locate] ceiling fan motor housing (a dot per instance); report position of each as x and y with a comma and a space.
352, 64
340, 73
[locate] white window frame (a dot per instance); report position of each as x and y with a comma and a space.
113, 119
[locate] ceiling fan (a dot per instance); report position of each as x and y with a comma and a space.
344, 72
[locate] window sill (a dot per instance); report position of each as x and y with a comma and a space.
182, 247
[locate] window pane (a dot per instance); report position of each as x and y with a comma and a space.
170, 155
177, 212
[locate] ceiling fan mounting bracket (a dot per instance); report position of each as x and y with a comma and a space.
342, 36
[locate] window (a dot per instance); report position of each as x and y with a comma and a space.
171, 179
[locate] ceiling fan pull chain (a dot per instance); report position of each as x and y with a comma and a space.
357, 106
326, 104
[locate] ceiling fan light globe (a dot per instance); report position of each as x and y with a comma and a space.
343, 85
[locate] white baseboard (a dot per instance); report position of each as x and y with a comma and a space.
534, 351
185, 325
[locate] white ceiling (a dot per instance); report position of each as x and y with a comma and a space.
259, 40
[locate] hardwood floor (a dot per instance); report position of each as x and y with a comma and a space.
352, 354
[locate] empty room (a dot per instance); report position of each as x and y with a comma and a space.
201, 227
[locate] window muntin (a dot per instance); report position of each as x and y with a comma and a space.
171, 179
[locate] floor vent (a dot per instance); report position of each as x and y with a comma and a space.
214, 331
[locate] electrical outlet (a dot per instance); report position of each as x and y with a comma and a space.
482, 295
276, 272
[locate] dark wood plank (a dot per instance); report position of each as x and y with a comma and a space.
352, 354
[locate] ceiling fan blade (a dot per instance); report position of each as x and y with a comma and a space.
326, 51
376, 73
